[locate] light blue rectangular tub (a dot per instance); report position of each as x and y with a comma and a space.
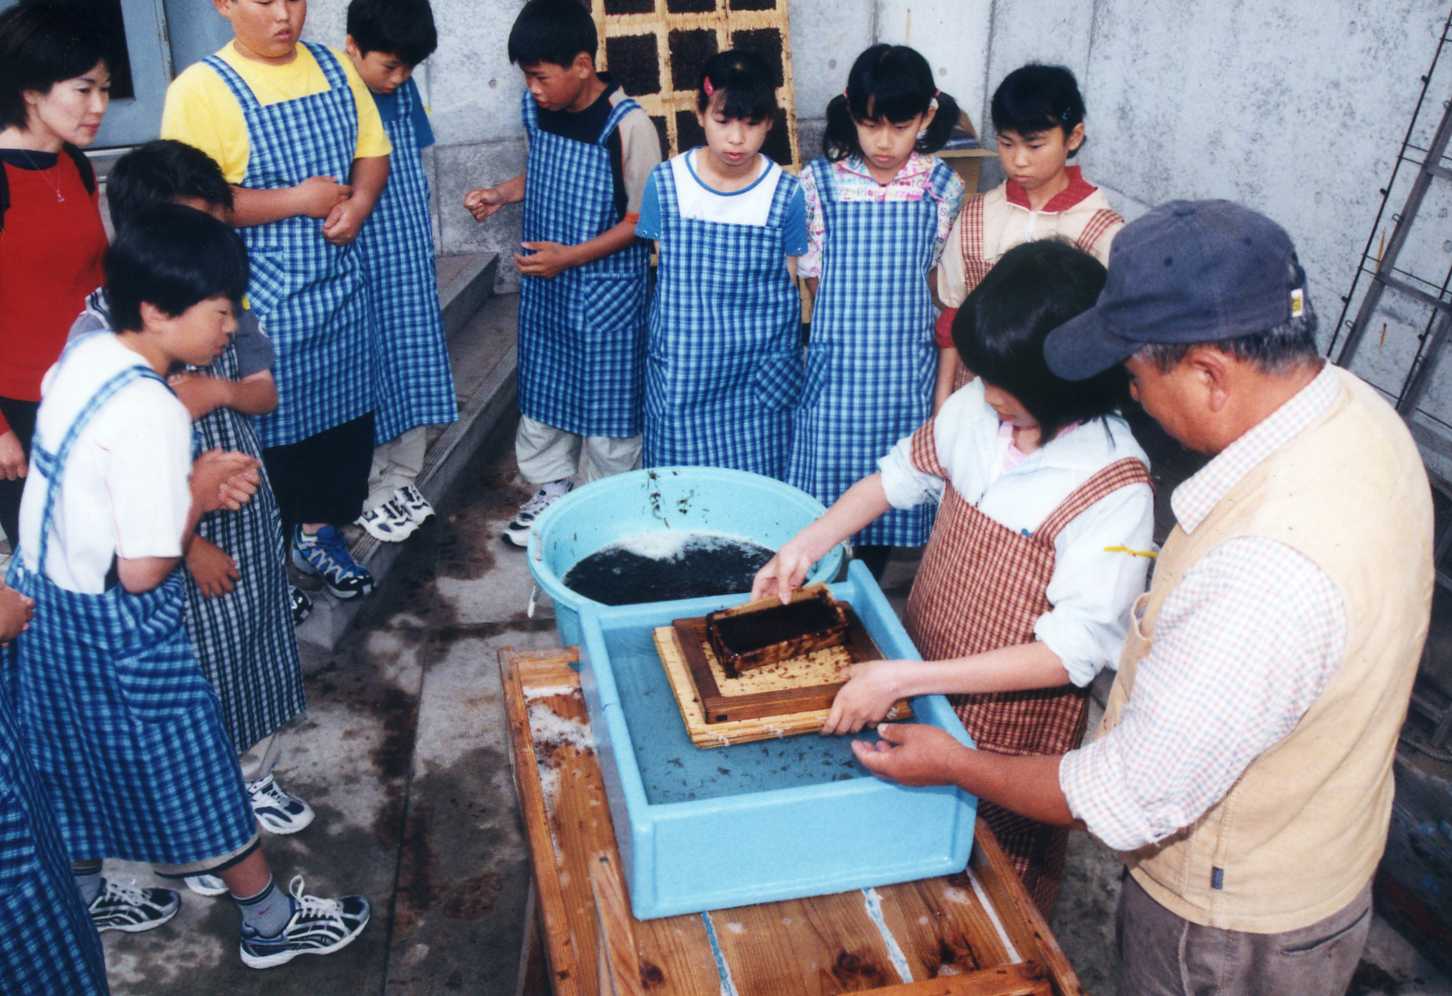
781, 819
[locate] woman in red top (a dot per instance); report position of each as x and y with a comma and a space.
54, 88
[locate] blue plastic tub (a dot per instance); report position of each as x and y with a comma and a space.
687, 499
781, 819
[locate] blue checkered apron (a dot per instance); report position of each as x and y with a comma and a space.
412, 382
871, 361
581, 333
49, 944
725, 359
121, 725
308, 292
245, 641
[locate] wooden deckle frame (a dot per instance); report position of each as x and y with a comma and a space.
678, 34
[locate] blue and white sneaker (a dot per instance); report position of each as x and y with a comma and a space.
131, 909
325, 555
278, 810
206, 885
317, 927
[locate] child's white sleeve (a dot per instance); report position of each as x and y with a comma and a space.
1096, 579
149, 444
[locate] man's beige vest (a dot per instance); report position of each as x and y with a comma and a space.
1302, 830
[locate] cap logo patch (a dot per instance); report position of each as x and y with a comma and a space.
1298, 302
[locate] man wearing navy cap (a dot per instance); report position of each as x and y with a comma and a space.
1244, 764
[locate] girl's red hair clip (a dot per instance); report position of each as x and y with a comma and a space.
708, 87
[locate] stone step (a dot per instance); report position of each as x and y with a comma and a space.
481, 336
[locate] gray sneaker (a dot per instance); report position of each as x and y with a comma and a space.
517, 532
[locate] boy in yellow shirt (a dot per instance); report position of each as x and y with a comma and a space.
299, 137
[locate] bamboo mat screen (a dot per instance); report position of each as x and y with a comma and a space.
655, 50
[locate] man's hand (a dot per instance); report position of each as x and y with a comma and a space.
12, 457
547, 259
317, 196
214, 571
867, 696
15, 613
484, 202
345, 221
910, 753
201, 394
223, 480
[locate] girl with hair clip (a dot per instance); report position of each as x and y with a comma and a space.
1038, 552
879, 208
723, 366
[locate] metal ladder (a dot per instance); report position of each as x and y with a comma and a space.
1430, 703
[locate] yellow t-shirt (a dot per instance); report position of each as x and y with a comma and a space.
201, 110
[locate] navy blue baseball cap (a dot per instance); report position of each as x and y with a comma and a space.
1186, 272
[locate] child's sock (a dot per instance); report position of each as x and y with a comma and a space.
267, 912
88, 879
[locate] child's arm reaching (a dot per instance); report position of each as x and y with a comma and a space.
864, 502
485, 202
315, 197
215, 572
549, 259
875, 686
345, 221
252, 395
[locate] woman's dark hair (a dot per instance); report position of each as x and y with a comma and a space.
1036, 98
553, 31
893, 82
1000, 330
159, 172
172, 258
404, 28
745, 80
43, 42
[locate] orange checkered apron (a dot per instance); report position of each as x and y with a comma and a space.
982, 586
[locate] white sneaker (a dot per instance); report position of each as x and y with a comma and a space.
131, 909
388, 522
316, 927
206, 885
277, 810
517, 532
414, 504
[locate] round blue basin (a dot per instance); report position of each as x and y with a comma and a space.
683, 499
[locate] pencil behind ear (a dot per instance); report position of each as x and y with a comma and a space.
940, 128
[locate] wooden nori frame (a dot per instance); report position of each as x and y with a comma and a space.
722, 708
746, 640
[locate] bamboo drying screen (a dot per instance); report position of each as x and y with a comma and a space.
655, 50
831, 665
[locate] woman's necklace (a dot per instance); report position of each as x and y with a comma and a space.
60, 198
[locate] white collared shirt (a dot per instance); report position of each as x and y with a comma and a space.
1243, 646
1094, 580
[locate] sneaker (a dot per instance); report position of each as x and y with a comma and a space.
412, 501
317, 927
302, 606
517, 532
388, 522
131, 909
276, 809
206, 885
325, 554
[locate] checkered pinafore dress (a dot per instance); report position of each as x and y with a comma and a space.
872, 360
121, 725
50, 944
412, 381
245, 640
308, 292
725, 360
582, 332
982, 586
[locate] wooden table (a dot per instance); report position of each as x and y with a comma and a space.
976, 932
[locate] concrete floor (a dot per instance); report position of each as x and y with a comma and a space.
402, 755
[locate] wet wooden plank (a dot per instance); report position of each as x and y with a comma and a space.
977, 932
